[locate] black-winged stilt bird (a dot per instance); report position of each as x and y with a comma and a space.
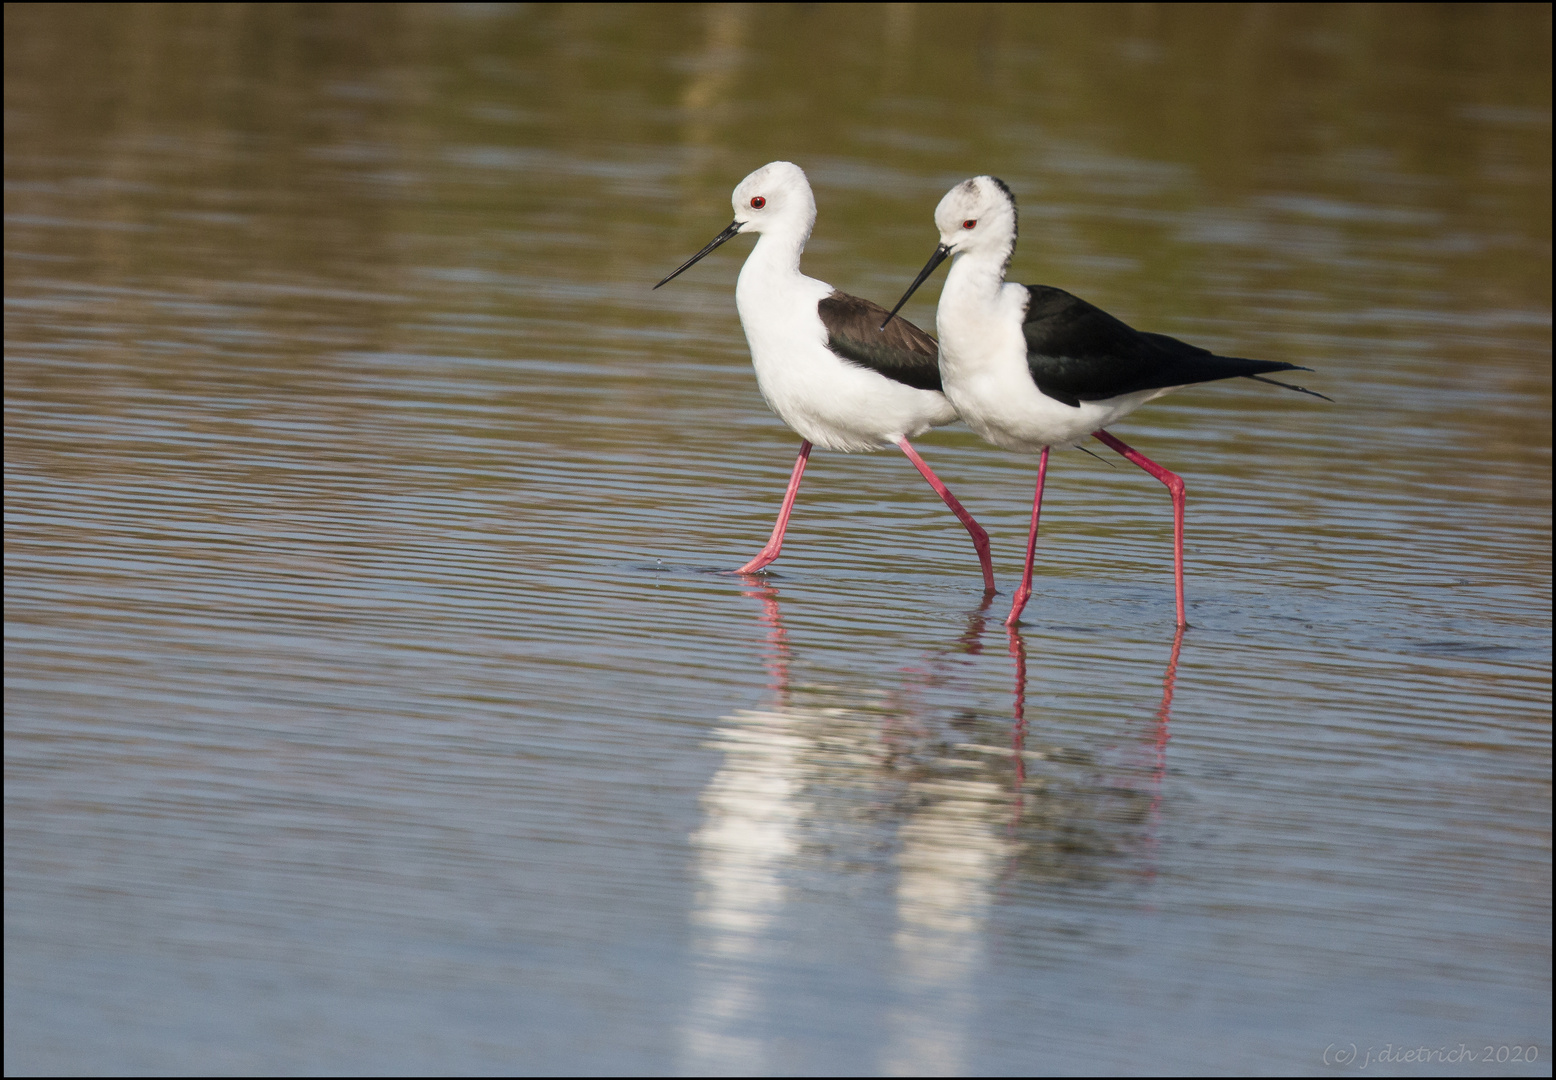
823, 361
1031, 367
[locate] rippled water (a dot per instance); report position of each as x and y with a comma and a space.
375, 699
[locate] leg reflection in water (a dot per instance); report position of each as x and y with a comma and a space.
1134, 774
1159, 757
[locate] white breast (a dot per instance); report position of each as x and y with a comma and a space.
829, 401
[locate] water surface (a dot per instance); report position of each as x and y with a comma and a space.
377, 701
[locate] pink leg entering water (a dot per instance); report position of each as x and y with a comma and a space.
1174, 484
775, 542
980, 538
1024, 593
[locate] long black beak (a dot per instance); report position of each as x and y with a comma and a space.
728, 234
941, 254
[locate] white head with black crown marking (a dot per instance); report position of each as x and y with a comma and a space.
978, 216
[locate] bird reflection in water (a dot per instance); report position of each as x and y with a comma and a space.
950, 811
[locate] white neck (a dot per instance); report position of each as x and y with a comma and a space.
777, 253
974, 282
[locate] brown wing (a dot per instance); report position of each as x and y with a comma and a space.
902, 352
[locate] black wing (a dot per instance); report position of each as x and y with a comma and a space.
901, 352
1077, 352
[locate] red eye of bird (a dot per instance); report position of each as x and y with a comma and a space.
970, 223
758, 202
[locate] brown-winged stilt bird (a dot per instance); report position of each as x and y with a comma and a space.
823, 360
1031, 367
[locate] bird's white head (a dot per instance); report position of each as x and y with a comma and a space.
775, 197
978, 215
776, 200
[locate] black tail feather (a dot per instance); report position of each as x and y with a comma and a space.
1106, 461
1291, 386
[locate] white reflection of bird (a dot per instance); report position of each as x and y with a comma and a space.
823, 362
1030, 367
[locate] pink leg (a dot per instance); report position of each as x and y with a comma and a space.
1174, 484
980, 538
775, 541
1024, 593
